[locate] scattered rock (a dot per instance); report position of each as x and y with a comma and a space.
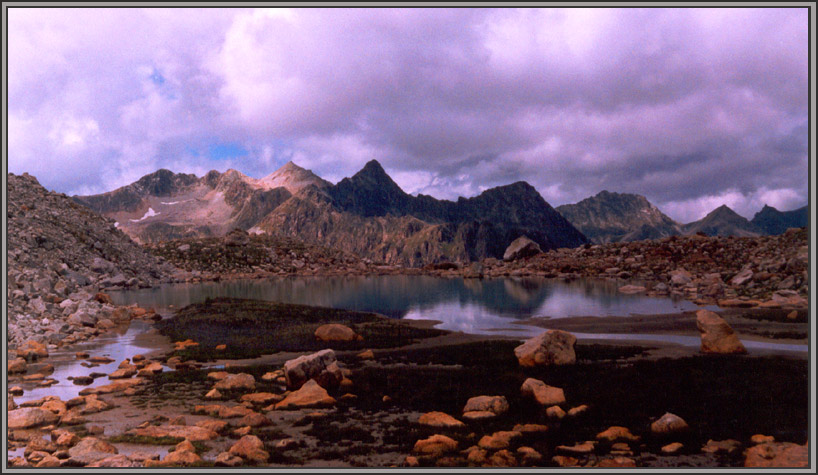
250, 448
440, 420
91, 449
777, 454
672, 448
553, 347
717, 336
495, 405
26, 417
543, 394
233, 382
435, 445
669, 424
299, 370
617, 433
520, 248
310, 395
336, 332
498, 440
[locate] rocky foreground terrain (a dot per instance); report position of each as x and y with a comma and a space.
60, 254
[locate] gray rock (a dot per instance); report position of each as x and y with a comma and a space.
520, 248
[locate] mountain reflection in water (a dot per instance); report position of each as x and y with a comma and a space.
471, 305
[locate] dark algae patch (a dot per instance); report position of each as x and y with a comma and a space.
250, 328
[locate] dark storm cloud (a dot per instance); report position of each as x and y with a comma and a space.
686, 106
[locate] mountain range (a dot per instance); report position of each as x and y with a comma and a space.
368, 214
621, 217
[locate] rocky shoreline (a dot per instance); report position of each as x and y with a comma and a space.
478, 402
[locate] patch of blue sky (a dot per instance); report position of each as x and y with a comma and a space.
226, 151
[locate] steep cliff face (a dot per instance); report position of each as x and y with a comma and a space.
619, 217
771, 221
722, 221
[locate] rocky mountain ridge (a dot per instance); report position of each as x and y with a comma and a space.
367, 214
624, 217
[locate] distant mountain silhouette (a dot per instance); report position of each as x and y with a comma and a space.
771, 221
722, 221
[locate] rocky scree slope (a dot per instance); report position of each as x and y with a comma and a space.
707, 269
242, 254
59, 254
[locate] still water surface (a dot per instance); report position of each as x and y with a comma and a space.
467, 305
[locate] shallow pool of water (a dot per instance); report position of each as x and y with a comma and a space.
477, 306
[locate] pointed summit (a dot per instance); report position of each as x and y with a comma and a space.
722, 221
619, 217
371, 192
771, 221
293, 178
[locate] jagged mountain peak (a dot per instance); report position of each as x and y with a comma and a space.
294, 178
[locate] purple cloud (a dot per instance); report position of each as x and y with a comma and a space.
686, 106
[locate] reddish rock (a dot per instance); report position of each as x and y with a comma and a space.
435, 445
250, 448
542, 393
717, 335
553, 347
777, 454
440, 420
336, 332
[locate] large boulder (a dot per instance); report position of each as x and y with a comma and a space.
553, 347
235, 382
435, 445
311, 394
668, 424
520, 248
250, 448
91, 449
26, 417
717, 335
300, 370
488, 405
542, 393
336, 332
777, 454
439, 420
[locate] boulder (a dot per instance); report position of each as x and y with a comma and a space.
520, 248
777, 454
435, 445
91, 449
498, 440
553, 347
494, 404
191, 433
300, 370
742, 277
184, 457
234, 382
542, 393
311, 394
250, 448
17, 365
717, 335
669, 424
672, 448
26, 417
617, 433
440, 420
336, 332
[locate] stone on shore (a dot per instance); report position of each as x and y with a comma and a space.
311, 394
495, 405
439, 420
192, 433
617, 433
435, 445
498, 440
91, 449
300, 370
520, 248
250, 448
234, 382
717, 335
336, 332
553, 347
542, 393
777, 454
26, 417
669, 424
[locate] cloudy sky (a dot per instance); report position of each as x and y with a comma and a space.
692, 108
